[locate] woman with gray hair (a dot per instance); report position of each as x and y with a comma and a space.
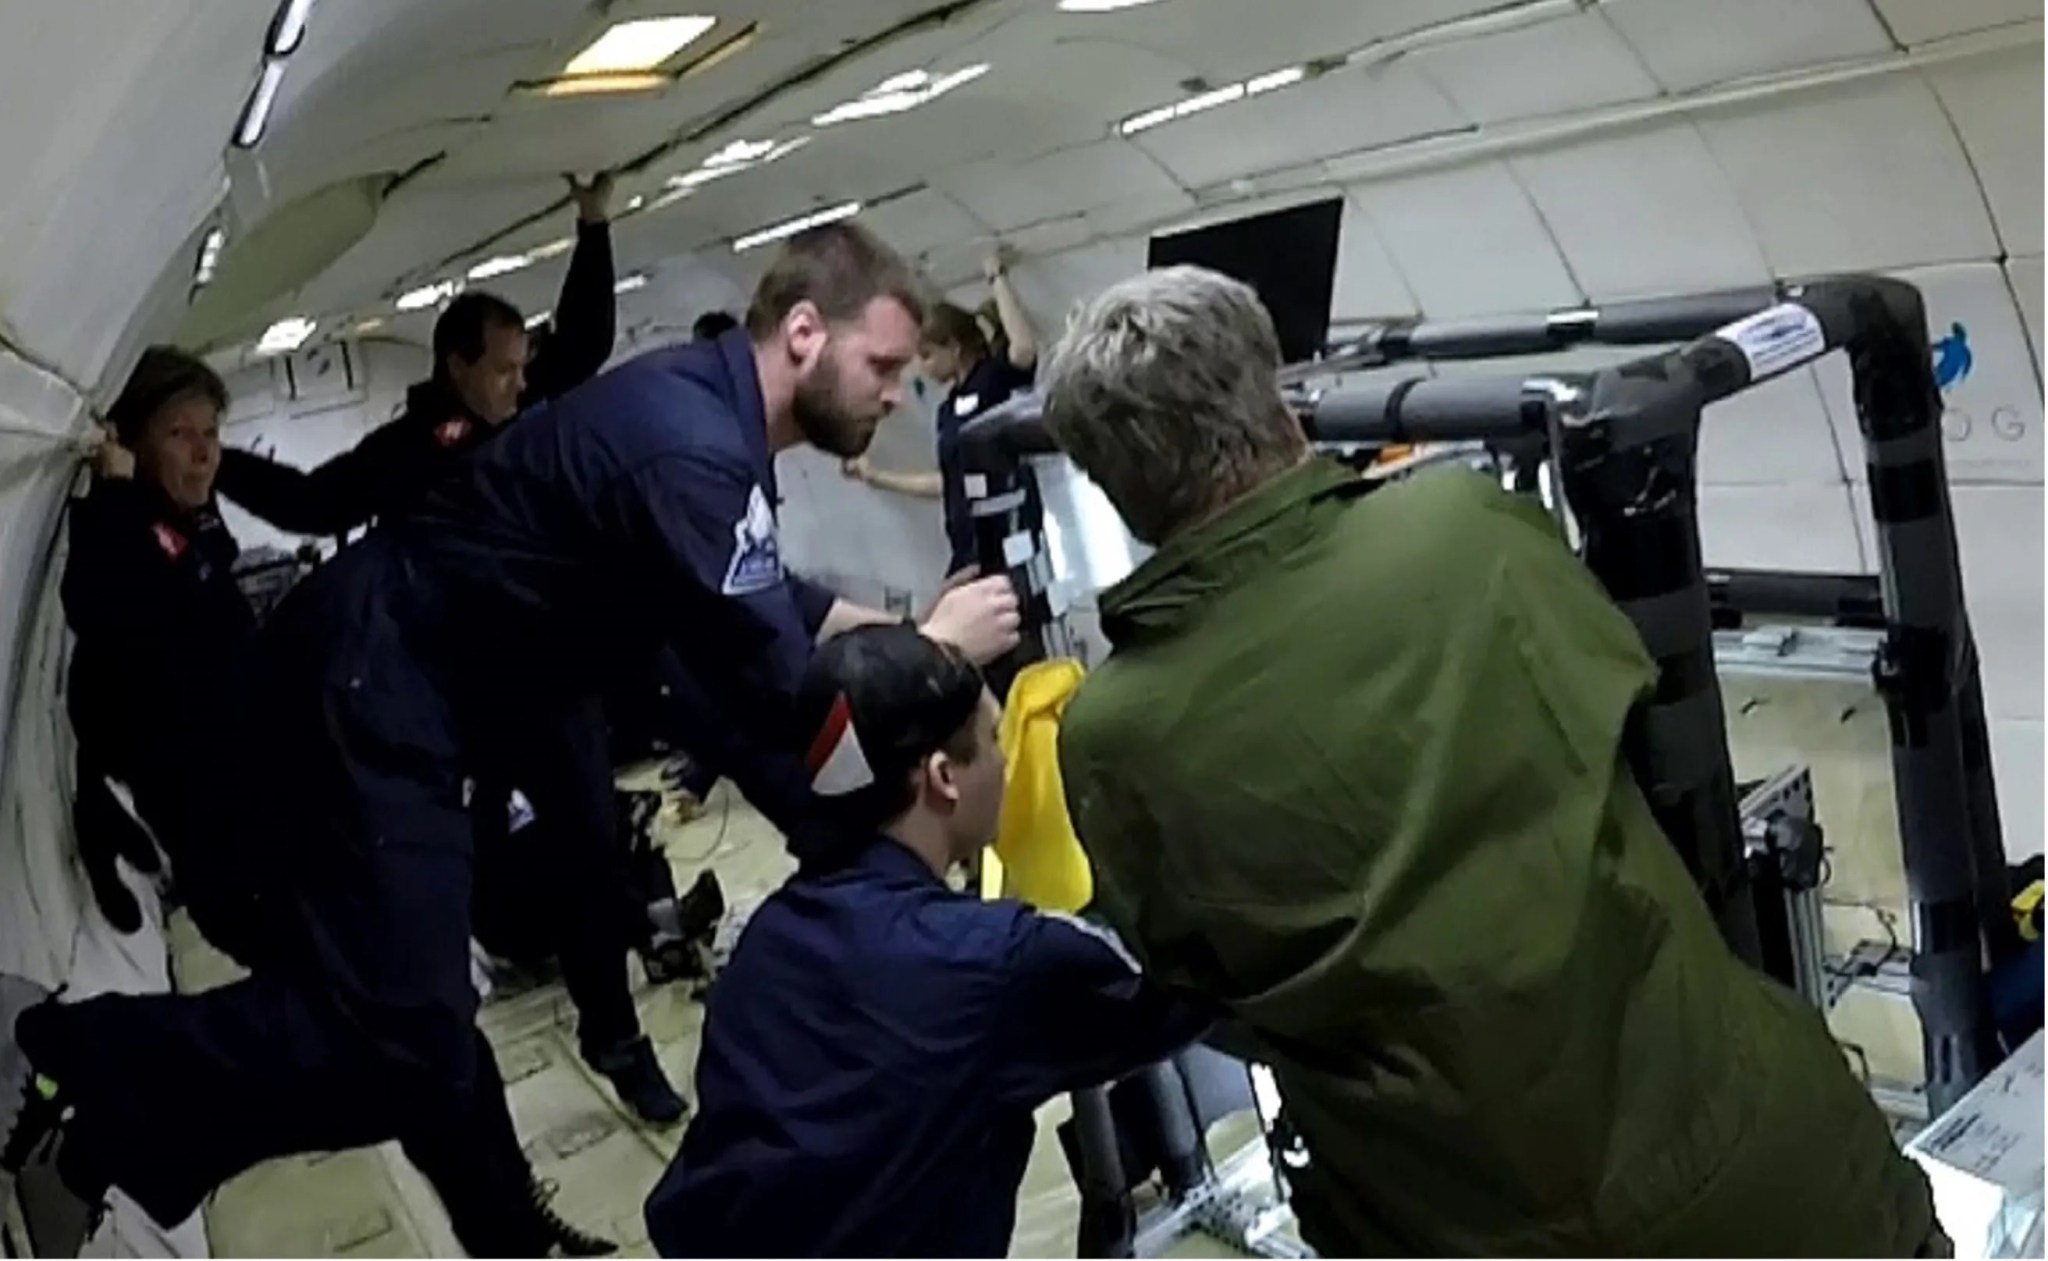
1355, 771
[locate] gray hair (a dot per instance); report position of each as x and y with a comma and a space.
1163, 391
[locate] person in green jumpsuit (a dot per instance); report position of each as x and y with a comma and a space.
1354, 773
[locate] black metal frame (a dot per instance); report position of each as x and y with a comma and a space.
1850, 601
1626, 441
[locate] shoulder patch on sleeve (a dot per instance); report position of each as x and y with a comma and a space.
1104, 935
756, 563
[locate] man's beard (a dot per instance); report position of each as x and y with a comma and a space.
822, 415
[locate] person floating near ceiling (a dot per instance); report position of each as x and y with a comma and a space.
162, 632
978, 374
574, 544
1387, 820
487, 369
877, 1046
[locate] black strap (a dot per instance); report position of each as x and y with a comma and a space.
1394, 402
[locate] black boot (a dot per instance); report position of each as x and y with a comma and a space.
699, 910
556, 1237
636, 1074
58, 1220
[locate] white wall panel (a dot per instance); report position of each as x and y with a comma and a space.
1805, 529
1999, 529
1924, 21
2003, 142
1468, 240
1585, 64
1775, 434
2024, 276
1689, 45
1644, 214
1863, 176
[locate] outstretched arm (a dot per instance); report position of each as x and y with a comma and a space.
922, 485
587, 312
334, 498
1023, 338
1080, 1012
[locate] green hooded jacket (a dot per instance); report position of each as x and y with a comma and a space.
1355, 770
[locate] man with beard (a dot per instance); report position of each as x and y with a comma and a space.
629, 514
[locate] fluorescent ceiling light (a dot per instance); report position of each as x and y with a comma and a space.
503, 265
209, 257
288, 28
560, 245
428, 295
285, 336
1228, 94
256, 114
901, 92
791, 227
740, 155
630, 283
370, 325
1100, 6
539, 318
601, 84
637, 46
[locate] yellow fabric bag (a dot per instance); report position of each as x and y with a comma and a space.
1036, 850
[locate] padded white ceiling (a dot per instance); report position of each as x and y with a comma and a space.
1028, 152
1430, 129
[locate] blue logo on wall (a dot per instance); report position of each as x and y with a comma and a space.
1952, 358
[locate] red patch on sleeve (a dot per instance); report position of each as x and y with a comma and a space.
450, 432
173, 543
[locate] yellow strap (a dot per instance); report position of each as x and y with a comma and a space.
2026, 909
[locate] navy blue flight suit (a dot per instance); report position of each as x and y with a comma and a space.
990, 382
629, 514
565, 770
155, 693
388, 471
872, 1058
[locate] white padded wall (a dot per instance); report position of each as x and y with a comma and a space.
114, 150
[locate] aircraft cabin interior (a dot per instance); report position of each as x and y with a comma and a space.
1094, 628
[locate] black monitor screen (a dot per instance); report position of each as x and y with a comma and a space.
1289, 256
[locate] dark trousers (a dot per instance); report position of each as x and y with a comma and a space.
177, 1094
563, 766
358, 1022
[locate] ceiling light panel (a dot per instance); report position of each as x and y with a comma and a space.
504, 265
791, 227
604, 84
288, 28
638, 46
256, 113
428, 295
899, 93
1228, 94
285, 336
631, 283
740, 155
209, 257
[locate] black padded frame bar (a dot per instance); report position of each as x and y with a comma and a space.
1854, 601
1627, 441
